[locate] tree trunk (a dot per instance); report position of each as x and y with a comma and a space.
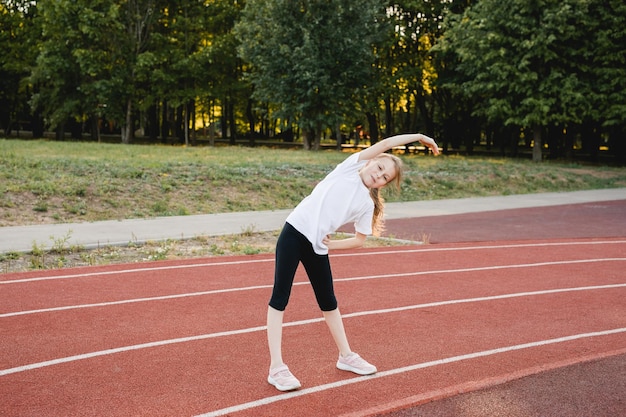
76, 129
427, 115
537, 145
127, 128
179, 124
570, 135
231, 122
60, 132
617, 143
224, 119
388, 118
153, 122
186, 119
95, 127
309, 139
250, 116
590, 136
38, 124
338, 134
192, 114
212, 134
318, 137
165, 122
372, 122
406, 119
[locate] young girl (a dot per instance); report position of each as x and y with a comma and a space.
348, 194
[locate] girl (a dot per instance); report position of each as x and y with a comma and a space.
348, 194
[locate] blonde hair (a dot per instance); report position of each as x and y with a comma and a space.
378, 221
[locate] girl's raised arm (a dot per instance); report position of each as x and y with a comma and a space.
397, 140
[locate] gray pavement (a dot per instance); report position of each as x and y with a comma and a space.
122, 232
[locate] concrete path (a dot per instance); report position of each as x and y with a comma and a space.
122, 232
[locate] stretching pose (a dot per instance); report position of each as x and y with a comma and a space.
348, 194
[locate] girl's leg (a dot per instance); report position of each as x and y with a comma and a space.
287, 260
335, 325
348, 360
321, 277
279, 375
275, 336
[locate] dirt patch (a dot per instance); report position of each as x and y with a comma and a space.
62, 256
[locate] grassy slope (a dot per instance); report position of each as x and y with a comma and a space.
44, 181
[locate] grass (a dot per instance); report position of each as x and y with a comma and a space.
67, 182
59, 182
45, 181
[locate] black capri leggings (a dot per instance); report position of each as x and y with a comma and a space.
292, 248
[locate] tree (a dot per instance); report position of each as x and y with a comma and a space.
521, 60
57, 73
309, 57
606, 45
92, 59
18, 37
223, 76
176, 62
417, 25
134, 58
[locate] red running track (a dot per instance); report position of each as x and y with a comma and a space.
188, 338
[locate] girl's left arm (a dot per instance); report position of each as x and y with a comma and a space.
350, 243
397, 140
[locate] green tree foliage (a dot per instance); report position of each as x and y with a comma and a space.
607, 55
114, 58
223, 76
417, 26
494, 73
176, 60
311, 57
74, 71
91, 60
134, 63
531, 63
18, 36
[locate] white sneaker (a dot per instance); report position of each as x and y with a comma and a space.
282, 378
354, 363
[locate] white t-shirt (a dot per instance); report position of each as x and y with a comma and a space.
338, 199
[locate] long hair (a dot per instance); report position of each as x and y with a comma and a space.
378, 220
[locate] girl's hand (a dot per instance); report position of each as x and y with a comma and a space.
430, 143
350, 243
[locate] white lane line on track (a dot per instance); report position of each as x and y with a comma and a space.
483, 247
258, 287
342, 255
355, 380
486, 298
476, 385
134, 270
135, 300
483, 268
291, 324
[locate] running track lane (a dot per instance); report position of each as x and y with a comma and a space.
188, 338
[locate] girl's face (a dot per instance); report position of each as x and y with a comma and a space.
378, 172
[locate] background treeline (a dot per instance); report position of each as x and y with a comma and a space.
546, 77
